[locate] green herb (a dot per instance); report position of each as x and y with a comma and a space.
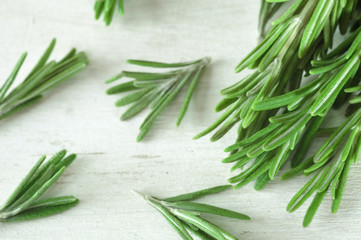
286, 51
108, 7
43, 77
278, 110
24, 204
300, 114
186, 217
157, 90
330, 167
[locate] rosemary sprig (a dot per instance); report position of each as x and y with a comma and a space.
157, 89
108, 7
43, 77
185, 216
24, 204
299, 115
303, 32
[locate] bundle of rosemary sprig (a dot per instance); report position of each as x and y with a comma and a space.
279, 112
44, 76
24, 204
185, 216
157, 89
107, 7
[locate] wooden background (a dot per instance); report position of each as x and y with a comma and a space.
78, 116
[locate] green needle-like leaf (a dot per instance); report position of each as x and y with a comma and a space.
10, 80
199, 207
311, 211
190, 92
198, 194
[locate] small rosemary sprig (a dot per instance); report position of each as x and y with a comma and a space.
108, 7
43, 77
24, 204
185, 216
157, 89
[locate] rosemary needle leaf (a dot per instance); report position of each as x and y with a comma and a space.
156, 90
341, 187
44, 208
23, 203
161, 64
198, 194
190, 92
311, 211
131, 98
123, 87
306, 141
10, 80
44, 58
200, 207
262, 181
50, 202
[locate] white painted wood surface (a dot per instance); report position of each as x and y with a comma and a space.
78, 116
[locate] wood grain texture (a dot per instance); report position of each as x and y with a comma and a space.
78, 116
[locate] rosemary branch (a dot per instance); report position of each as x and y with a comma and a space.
24, 204
44, 76
157, 90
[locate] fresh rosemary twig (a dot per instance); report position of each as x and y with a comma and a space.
297, 124
24, 204
44, 76
286, 51
185, 216
157, 89
276, 116
108, 7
